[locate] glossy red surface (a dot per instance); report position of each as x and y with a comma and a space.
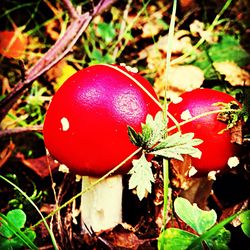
216, 148
86, 123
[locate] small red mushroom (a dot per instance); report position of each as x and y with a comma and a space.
216, 148
85, 128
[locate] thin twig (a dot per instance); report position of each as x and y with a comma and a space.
19, 130
53, 55
123, 26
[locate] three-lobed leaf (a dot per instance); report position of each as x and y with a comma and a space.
200, 220
10, 230
17, 216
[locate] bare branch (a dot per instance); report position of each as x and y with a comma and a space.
19, 130
71, 9
54, 54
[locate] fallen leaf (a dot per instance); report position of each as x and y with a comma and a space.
234, 74
124, 239
181, 78
41, 165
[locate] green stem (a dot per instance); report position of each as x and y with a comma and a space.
165, 191
169, 52
202, 39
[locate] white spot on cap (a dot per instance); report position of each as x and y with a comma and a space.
233, 161
177, 100
186, 115
65, 124
129, 68
212, 175
192, 171
63, 168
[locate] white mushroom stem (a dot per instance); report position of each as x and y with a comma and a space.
101, 206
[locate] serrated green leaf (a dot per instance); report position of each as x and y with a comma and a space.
174, 146
192, 215
146, 133
245, 220
141, 176
176, 239
158, 128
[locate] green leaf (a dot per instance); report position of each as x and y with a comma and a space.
146, 133
227, 49
214, 231
18, 242
135, 138
245, 220
17, 217
13, 237
152, 131
192, 215
141, 176
106, 31
157, 126
220, 240
174, 146
176, 239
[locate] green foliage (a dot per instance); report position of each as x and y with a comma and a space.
245, 220
18, 201
152, 131
154, 141
106, 31
227, 49
141, 177
174, 146
176, 239
219, 240
13, 234
204, 224
232, 114
192, 215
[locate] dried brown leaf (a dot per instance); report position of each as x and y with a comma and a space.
41, 165
233, 73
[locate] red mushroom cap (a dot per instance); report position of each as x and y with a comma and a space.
86, 123
216, 148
